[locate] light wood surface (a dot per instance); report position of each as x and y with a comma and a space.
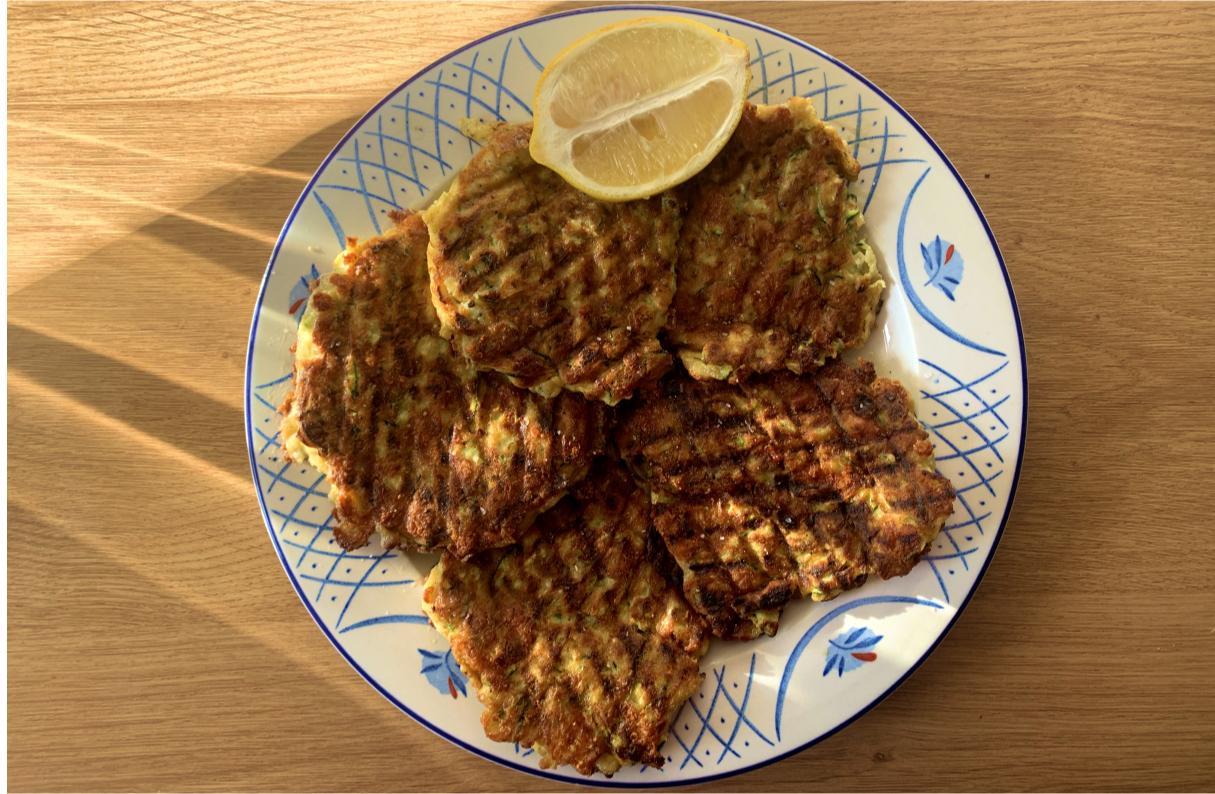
154, 152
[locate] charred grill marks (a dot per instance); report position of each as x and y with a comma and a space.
785, 486
415, 444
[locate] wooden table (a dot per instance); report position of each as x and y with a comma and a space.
154, 151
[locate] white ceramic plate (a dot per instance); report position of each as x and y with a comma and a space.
949, 331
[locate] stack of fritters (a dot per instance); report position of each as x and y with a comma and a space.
453, 379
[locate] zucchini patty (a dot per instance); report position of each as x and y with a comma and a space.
773, 273
785, 487
552, 288
415, 444
576, 643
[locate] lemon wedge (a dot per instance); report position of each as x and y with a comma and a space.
635, 108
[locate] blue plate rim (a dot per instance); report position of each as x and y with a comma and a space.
248, 386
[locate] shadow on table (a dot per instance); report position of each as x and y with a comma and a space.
179, 584
58, 324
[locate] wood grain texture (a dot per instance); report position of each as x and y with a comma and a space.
154, 152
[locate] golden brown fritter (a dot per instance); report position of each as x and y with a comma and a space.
540, 282
882, 460
772, 271
414, 443
786, 486
576, 643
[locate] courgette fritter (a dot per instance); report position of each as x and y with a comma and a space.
576, 643
556, 290
773, 272
414, 442
784, 487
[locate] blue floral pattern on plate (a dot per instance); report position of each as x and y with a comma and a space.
943, 264
850, 650
443, 673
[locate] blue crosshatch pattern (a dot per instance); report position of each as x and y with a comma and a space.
964, 419
715, 724
396, 161
408, 149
